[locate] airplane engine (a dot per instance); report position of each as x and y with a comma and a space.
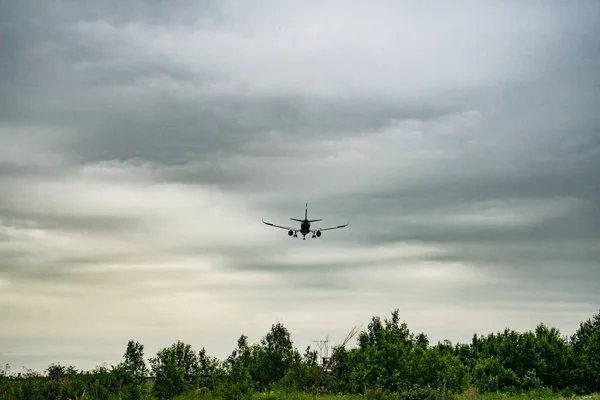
318, 233
291, 232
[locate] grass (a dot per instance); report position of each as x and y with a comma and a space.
470, 394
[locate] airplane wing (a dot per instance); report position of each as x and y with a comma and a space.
328, 229
278, 226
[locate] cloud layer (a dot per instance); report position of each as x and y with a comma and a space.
141, 148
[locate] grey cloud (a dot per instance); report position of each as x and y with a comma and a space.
215, 119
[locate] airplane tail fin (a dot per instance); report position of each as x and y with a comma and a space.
305, 216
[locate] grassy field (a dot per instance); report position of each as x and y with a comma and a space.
374, 395
466, 396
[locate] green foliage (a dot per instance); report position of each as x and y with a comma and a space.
134, 360
176, 370
389, 362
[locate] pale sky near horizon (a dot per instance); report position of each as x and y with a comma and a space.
142, 142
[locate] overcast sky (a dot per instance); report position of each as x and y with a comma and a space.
142, 143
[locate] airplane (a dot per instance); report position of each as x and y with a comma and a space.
305, 226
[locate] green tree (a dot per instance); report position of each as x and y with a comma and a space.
554, 352
237, 382
585, 344
278, 353
208, 370
491, 376
134, 360
176, 370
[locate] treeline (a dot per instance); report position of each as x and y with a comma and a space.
388, 359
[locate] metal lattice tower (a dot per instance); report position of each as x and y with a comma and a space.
323, 348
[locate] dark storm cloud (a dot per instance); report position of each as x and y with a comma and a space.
66, 79
165, 127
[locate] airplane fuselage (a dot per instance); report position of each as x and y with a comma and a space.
305, 227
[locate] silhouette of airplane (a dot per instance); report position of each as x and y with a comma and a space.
305, 226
